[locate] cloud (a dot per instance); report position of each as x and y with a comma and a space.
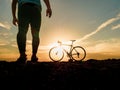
116, 27
5, 25
29, 41
103, 49
103, 25
3, 43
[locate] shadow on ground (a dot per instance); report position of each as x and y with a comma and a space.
87, 75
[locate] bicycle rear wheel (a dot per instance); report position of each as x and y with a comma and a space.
56, 54
78, 53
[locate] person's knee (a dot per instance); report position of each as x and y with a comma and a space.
35, 33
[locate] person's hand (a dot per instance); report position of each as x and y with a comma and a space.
49, 12
15, 21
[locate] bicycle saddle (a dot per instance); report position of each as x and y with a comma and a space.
73, 40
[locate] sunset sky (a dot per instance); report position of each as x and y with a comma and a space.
95, 24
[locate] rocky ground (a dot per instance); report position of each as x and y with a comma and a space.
87, 75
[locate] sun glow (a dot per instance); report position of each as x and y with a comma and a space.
56, 53
61, 44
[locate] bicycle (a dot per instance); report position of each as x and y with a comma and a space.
75, 53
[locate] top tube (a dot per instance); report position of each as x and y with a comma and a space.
69, 40
61, 43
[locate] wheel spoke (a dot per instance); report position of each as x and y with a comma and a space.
56, 54
78, 53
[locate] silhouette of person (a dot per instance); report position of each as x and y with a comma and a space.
29, 13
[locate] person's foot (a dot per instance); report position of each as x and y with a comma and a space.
22, 59
34, 59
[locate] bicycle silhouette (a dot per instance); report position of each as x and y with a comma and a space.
75, 53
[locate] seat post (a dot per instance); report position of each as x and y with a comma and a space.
72, 41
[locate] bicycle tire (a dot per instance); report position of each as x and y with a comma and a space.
78, 53
56, 54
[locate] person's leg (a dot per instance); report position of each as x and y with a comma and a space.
35, 43
21, 41
23, 24
35, 28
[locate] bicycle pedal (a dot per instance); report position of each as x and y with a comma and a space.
70, 60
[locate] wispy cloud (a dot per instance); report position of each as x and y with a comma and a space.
105, 46
103, 49
5, 25
116, 27
3, 43
103, 25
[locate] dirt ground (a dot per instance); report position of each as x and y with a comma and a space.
87, 75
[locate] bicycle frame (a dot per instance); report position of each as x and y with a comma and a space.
76, 53
69, 45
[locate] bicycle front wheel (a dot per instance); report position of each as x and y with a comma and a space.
78, 53
56, 54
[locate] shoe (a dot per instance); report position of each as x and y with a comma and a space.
34, 59
21, 60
